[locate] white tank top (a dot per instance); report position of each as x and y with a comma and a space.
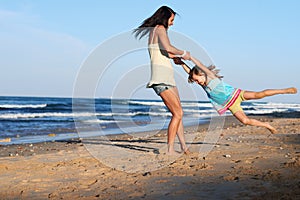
162, 71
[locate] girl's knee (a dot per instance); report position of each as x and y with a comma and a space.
259, 95
245, 121
262, 94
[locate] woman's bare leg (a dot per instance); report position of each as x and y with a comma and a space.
248, 95
172, 101
180, 135
241, 116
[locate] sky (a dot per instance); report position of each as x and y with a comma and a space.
44, 44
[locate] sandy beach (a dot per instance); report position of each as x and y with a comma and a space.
245, 163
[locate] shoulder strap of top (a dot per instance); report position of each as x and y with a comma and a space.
153, 34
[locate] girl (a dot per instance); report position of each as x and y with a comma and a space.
162, 73
225, 97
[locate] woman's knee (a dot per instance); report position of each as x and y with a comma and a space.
178, 113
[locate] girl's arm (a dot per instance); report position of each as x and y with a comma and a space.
207, 71
186, 68
164, 40
178, 61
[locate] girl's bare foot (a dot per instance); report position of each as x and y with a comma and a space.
291, 90
272, 129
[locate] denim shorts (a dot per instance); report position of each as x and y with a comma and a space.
159, 88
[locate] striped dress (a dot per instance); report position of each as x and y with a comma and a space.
221, 95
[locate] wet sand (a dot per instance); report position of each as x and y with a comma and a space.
245, 163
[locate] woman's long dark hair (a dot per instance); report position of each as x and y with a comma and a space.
160, 17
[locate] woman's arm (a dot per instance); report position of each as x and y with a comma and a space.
164, 40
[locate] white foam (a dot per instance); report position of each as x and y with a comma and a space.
20, 106
40, 115
266, 111
198, 111
78, 115
276, 105
183, 104
269, 107
147, 103
98, 121
196, 104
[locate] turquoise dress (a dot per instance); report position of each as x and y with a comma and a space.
221, 94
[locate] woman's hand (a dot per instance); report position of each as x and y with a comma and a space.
187, 56
178, 61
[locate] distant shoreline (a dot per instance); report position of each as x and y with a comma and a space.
74, 136
230, 122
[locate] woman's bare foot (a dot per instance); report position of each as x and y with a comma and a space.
186, 151
173, 153
291, 90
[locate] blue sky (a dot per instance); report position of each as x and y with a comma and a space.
43, 43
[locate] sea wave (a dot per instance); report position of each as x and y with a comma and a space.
197, 104
198, 110
267, 107
147, 103
21, 106
79, 115
99, 121
42, 115
275, 105
183, 104
267, 111
26, 116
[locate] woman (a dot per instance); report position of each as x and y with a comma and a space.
162, 72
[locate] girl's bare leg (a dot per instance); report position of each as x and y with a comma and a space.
241, 116
172, 101
248, 95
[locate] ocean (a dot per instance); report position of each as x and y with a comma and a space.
39, 119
